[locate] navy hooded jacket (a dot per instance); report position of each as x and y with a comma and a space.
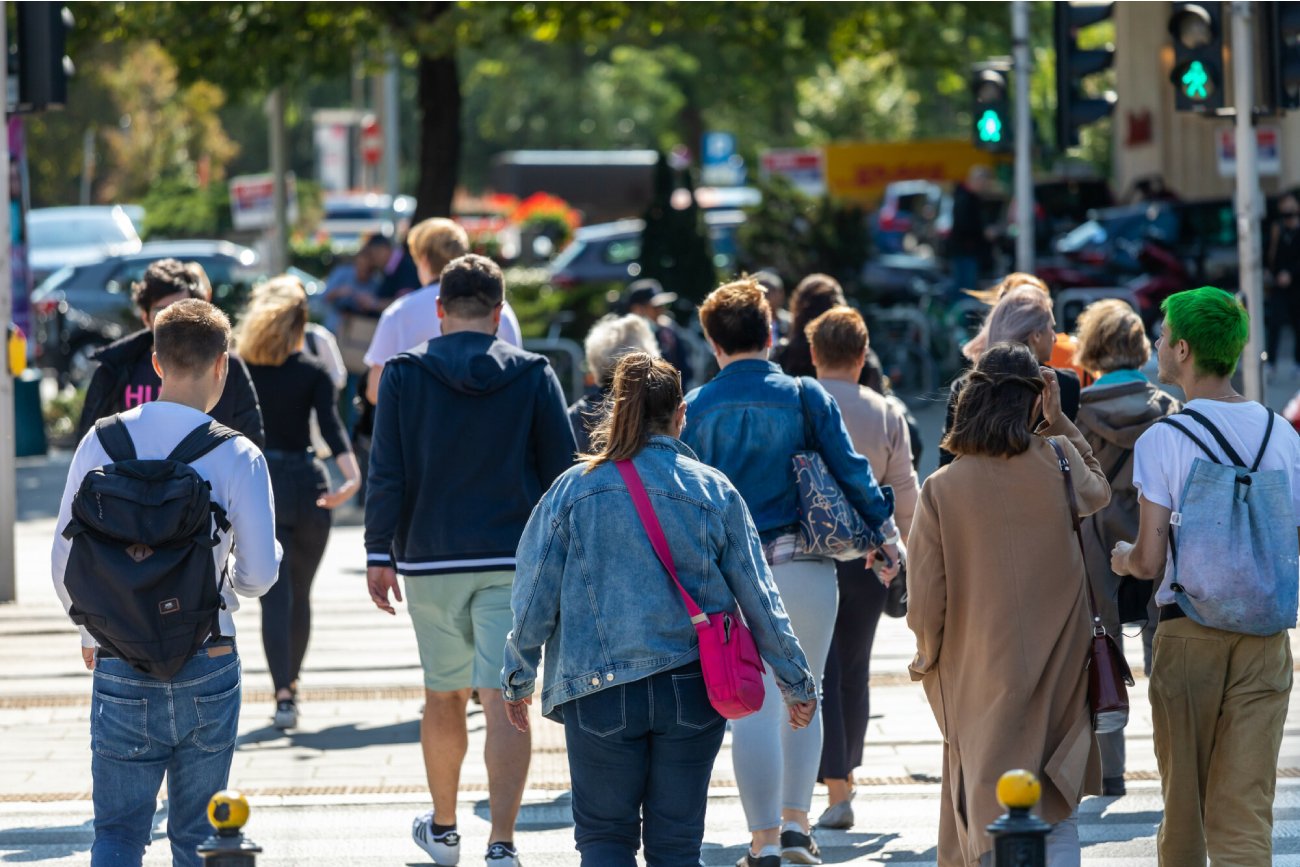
469, 433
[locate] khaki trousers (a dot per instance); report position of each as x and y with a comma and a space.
1218, 702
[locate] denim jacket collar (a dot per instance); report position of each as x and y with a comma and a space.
748, 365
672, 444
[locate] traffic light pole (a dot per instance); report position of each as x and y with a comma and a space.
1250, 203
8, 436
1024, 139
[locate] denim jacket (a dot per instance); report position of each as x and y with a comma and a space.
590, 588
749, 421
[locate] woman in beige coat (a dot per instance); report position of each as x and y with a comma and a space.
996, 599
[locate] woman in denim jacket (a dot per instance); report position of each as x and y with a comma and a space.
748, 422
622, 664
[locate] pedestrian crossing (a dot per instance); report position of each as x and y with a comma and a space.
895, 825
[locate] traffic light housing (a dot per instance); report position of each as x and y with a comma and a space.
991, 127
1281, 35
1074, 108
1197, 76
43, 67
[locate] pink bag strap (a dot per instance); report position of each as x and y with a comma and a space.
650, 521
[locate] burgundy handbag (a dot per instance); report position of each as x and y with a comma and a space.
733, 670
1108, 673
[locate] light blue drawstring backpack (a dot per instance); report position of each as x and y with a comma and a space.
1235, 548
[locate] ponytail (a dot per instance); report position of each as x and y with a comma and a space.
645, 395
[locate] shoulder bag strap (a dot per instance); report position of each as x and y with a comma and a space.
200, 441
1268, 434
115, 438
1097, 627
1191, 436
809, 440
1218, 437
650, 521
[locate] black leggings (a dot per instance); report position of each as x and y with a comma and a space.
302, 529
846, 694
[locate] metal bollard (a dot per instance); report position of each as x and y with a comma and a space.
1019, 837
228, 813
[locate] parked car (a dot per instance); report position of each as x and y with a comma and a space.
63, 237
610, 252
80, 308
352, 217
911, 218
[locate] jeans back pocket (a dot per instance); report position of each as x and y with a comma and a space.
119, 727
694, 710
218, 720
603, 713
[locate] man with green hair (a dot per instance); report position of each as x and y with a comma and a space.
1218, 697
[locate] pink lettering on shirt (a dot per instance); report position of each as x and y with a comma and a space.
137, 395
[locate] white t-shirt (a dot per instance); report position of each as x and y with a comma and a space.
412, 320
1163, 457
240, 485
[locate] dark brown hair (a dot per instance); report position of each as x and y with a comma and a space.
643, 400
168, 277
471, 286
189, 336
839, 336
814, 295
737, 317
992, 416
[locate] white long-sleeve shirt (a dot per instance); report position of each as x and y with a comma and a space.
240, 483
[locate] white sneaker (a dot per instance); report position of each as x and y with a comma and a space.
444, 849
501, 855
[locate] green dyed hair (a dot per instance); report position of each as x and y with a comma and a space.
1214, 324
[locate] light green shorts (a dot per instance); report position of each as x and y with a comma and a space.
461, 622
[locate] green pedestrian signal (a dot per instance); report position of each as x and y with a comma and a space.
990, 127
1194, 81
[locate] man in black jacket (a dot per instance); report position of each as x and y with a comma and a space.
125, 377
469, 433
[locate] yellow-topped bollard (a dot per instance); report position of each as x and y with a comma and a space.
1019, 837
228, 813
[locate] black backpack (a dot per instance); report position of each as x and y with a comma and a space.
141, 574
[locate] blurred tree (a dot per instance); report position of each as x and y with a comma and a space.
675, 247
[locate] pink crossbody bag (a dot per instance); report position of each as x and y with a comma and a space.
733, 670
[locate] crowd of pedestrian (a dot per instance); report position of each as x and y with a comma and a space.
653, 552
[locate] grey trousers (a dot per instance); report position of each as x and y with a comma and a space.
776, 767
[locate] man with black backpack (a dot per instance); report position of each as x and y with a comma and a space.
1219, 492
155, 498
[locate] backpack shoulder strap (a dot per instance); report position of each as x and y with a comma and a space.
1191, 436
115, 438
200, 441
1268, 434
1218, 437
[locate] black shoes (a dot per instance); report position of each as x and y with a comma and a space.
1113, 787
749, 860
799, 848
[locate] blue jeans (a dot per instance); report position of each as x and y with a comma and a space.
640, 757
141, 728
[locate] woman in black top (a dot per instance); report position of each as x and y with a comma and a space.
291, 384
1282, 305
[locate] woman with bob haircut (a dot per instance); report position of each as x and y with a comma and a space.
622, 659
1113, 412
748, 422
997, 600
291, 384
1022, 315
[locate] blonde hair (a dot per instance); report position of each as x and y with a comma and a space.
437, 241
646, 394
273, 326
1015, 280
1111, 337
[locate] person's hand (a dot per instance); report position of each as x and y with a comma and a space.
801, 714
886, 573
380, 580
334, 499
1119, 558
1283, 279
88, 657
517, 713
1051, 396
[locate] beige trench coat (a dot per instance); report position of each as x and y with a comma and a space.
995, 587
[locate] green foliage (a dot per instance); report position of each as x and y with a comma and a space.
61, 414
675, 248
178, 208
796, 235
537, 303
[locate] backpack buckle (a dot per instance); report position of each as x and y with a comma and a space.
1176, 519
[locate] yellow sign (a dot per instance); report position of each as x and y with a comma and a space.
861, 171
16, 351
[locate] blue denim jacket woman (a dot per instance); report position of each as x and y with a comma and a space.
622, 661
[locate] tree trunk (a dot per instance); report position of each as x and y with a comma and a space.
439, 98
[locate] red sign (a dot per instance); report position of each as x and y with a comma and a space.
372, 141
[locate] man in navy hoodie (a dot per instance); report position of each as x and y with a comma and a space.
469, 433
